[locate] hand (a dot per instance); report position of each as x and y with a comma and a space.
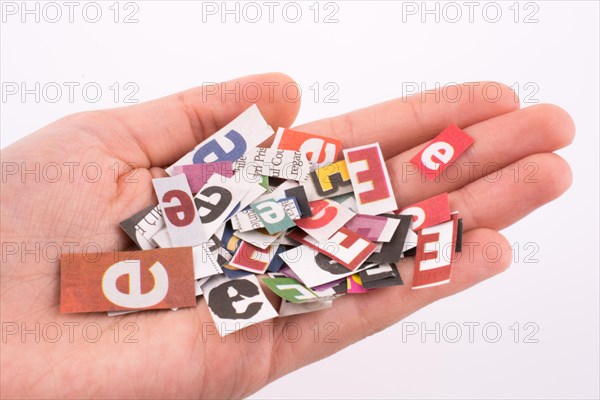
177, 354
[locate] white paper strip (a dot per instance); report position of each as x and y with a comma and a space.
313, 268
288, 308
151, 224
284, 164
205, 263
259, 238
162, 239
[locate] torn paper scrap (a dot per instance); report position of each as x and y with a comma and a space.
288, 308
442, 151
284, 164
258, 237
130, 226
299, 195
236, 303
129, 280
429, 212
162, 239
179, 211
370, 179
151, 224
435, 254
346, 247
277, 216
205, 261
392, 250
328, 217
230, 143
320, 150
382, 275
198, 174
355, 284
328, 181
274, 215
377, 228
313, 268
290, 289
253, 259
218, 199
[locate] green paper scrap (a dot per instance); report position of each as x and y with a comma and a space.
264, 182
290, 289
273, 216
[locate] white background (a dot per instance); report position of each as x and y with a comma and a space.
368, 56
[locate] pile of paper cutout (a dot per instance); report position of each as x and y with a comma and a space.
310, 223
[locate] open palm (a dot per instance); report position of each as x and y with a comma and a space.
95, 169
